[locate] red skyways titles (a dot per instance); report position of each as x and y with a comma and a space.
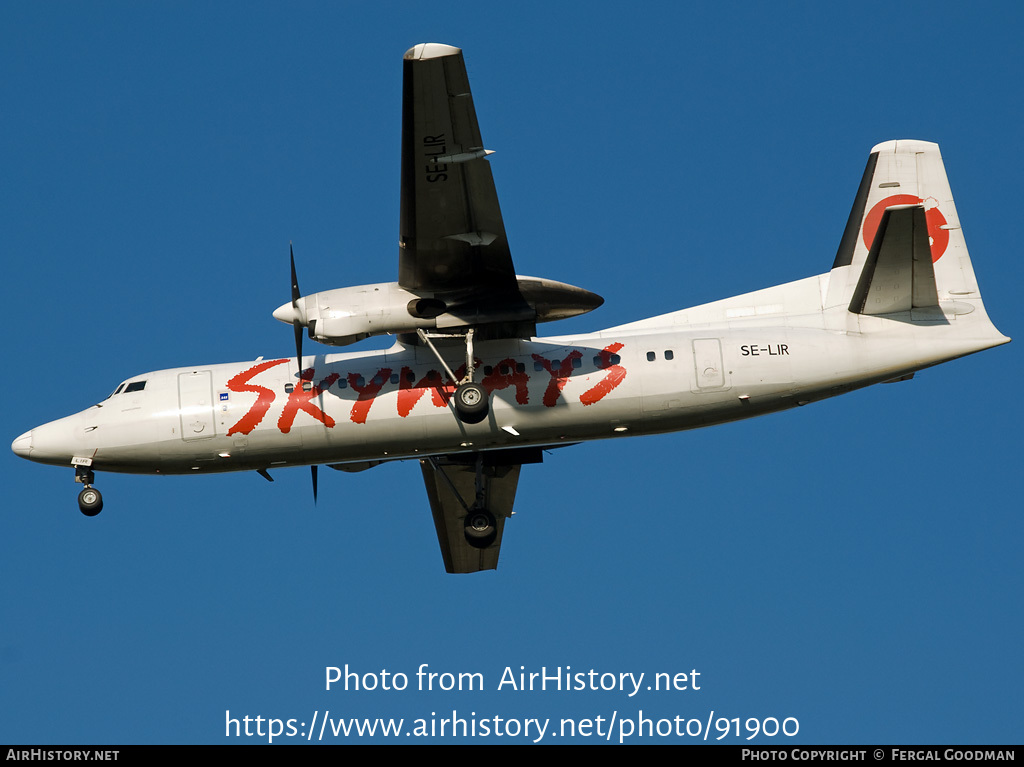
559, 377
264, 399
301, 398
616, 375
504, 375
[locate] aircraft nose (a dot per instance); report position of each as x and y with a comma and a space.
50, 443
22, 446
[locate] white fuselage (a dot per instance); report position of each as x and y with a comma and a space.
721, 362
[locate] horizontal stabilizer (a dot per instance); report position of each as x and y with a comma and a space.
898, 274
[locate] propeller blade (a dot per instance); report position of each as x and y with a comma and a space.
312, 470
298, 347
296, 325
296, 294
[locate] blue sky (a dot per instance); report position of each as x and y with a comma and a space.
854, 564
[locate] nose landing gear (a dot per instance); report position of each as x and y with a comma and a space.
90, 501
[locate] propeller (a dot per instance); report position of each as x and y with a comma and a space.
297, 315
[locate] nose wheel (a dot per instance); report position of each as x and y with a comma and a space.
90, 501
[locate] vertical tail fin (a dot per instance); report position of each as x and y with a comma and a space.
899, 174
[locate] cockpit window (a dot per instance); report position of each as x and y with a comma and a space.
135, 386
116, 391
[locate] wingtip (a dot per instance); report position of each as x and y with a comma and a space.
430, 51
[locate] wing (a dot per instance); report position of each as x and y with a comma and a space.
451, 234
451, 488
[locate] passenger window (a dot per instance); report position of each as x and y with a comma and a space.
520, 367
394, 378
651, 356
577, 363
668, 354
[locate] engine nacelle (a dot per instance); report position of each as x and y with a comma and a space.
345, 315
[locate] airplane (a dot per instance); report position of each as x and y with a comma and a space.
472, 393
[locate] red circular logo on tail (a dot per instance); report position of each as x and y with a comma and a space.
937, 236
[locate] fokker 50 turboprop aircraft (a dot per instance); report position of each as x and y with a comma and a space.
472, 393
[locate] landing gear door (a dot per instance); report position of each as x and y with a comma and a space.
195, 398
707, 362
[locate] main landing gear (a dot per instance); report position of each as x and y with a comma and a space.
470, 398
90, 501
480, 529
471, 402
479, 526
